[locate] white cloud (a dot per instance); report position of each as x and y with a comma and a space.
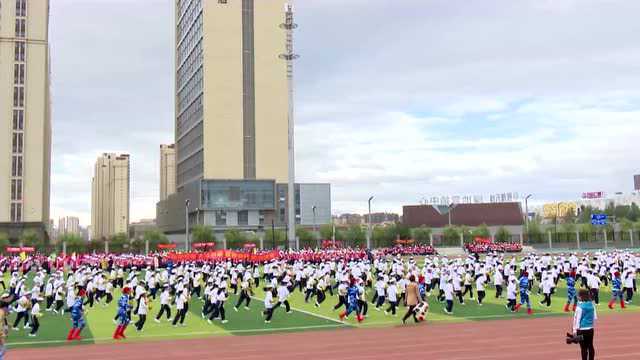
399, 99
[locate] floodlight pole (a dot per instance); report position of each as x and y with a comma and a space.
289, 56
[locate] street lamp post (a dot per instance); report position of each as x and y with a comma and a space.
315, 230
451, 206
186, 232
273, 233
369, 225
526, 215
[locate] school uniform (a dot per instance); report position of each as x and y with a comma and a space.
165, 299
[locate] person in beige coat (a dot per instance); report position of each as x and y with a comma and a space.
412, 298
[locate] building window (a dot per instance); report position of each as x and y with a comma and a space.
18, 119
18, 74
16, 165
20, 51
17, 143
221, 218
18, 96
21, 28
16, 189
16, 212
21, 7
243, 217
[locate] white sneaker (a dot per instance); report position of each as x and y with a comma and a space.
209, 321
267, 321
224, 321
156, 320
247, 308
235, 309
32, 335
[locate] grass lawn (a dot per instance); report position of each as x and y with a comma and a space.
306, 316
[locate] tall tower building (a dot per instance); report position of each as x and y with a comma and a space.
232, 86
25, 124
110, 196
231, 121
167, 171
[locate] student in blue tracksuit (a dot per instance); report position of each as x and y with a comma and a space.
571, 292
124, 314
77, 317
353, 293
524, 292
583, 324
616, 290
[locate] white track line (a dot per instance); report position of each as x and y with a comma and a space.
311, 314
194, 333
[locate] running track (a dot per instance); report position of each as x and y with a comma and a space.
540, 338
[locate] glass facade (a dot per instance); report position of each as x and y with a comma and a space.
189, 83
238, 194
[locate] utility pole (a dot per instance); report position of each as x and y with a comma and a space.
186, 232
369, 225
289, 56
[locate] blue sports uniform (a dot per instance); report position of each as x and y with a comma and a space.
524, 296
616, 284
352, 299
77, 314
123, 310
571, 290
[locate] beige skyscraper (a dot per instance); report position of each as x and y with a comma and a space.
25, 124
110, 196
232, 86
167, 170
231, 127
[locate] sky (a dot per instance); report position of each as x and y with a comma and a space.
401, 99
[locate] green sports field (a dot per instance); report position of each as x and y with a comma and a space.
305, 316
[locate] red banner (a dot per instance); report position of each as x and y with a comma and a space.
405, 242
203, 245
11, 249
166, 246
482, 241
219, 255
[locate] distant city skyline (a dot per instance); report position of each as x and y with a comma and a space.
524, 97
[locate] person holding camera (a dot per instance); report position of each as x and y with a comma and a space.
583, 324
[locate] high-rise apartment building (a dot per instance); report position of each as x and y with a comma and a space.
69, 225
231, 121
232, 86
25, 124
110, 196
167, 171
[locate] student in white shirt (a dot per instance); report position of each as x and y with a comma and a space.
511, 294
546, 286
448, 296
165, 300
283, 295
392, 296
143, 309
480, 283
35, 314
269, 294
181, 309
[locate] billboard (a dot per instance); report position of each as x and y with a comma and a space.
593, 195
550, 211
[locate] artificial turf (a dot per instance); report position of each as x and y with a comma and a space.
305, 316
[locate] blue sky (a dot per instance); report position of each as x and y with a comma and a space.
399, 99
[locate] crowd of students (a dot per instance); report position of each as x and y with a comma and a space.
483, 248
351, 281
